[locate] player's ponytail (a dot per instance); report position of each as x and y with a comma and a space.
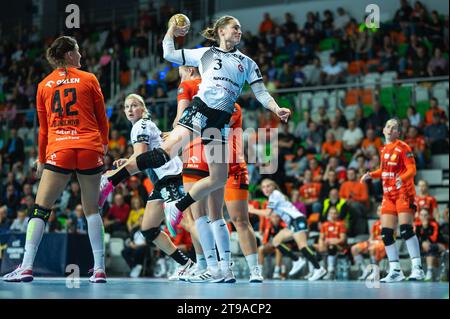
55, 53
213, 33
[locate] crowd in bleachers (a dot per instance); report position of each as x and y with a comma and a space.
321, 155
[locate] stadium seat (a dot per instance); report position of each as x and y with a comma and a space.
402, 49
367, 96
387, 78
352, 96
371, 79
440, 193
422, 93
350, 111
432, 176
357, 67
330, 44
440, 161
422, 107
317, 102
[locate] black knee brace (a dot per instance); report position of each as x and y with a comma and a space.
387, 234
151, 234
39, 212
332, 250
152, 159
406, 231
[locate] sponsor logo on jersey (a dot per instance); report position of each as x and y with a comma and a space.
142, 138
386, 156
240, 67
393, 157
49, 83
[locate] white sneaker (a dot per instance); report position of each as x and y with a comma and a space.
429, 276
256, 275
229, 277
19, 275
365, 274
394, 275
318, 274
98, 276
297, 266
208, 276
136, 271
181, 270
417, 274
276, 275
160, 268
194, 271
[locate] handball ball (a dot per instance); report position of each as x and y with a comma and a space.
180, 20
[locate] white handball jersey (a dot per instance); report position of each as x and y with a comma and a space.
282, 207
145, 131
223, 75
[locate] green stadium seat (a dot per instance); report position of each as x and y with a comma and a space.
422, 107
402, 49
280, 59
368, 110
330, 44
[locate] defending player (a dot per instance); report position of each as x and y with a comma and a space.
397, 172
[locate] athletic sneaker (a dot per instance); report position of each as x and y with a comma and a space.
98, 276
194, 271
256, 275
429, 276
106, 187
173, 217
228, 275
394, 275
136, 271
181, 271
417, 274
318, 274
297, 266
276, 275
19, 275
208, 276
365, 274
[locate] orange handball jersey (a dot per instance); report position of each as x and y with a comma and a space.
376, 230
71, 113
333, 230
428, 202
188, 89
397, 160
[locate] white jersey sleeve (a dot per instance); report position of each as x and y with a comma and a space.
145, 131
253, 74
275, 199
192, 57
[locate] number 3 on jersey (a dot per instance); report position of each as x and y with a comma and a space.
57, 106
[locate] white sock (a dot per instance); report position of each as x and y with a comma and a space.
206, 237
310, 266
96, 237
277, 269
359, 260
35, 231
222, 237
392, 253
252, 260
331, 260
414, 250
201, 261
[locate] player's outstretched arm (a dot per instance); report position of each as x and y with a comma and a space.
263, 96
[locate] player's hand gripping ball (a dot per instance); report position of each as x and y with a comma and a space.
182, 24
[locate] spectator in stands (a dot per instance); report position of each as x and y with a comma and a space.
305, 52
272, 226
371, 141
136, 189
53, 224
13, 150
427, 230
333, 72
419, 64
378, 118
434, 109
316, 170
418, 146
404, 13
267, 25
21, 222
334, 165
73, 198
333, 200
357, 196
415, 118
332, 240
296, 201
285, 77
436, 135
328, 23
438, 65
135, 250
11, 199
4, 221
309, 192
434, 28
296, 166
77, 223
137, 211
313, 138
388, 59
362, 45
117, 141
289, 26
424, 200
352, 137
331, 147
117, 216
341, 20
315, 75
330, 182
336, 129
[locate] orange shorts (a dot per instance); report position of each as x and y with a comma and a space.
400, 204
377, 246
87, 162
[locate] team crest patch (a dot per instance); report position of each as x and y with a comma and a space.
241, 68
409, 154
180, 90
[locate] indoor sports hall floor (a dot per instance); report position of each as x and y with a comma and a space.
125, 288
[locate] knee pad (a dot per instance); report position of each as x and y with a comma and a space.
152, 159
40, 212
387, 234
332, 250
406, 231
151, 234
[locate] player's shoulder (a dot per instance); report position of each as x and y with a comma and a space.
276, 194
144, 124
